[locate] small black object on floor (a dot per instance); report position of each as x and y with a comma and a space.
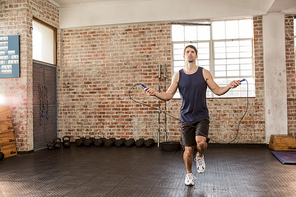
237, 170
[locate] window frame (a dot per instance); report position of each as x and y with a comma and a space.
212, 59
54, 42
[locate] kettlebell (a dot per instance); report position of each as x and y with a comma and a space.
57, 143
78, 142
49, 145
66, 142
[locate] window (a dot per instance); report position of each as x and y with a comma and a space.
44, 42
225, 48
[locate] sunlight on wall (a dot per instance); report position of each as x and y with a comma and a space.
2, 100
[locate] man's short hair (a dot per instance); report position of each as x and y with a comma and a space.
190, 46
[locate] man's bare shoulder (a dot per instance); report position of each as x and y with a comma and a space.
207, 74
176, 77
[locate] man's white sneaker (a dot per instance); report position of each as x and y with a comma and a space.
200, 164
189, 179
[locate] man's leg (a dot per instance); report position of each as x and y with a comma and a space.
201, 148
201, 145
188, 158
188, 141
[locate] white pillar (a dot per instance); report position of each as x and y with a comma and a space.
275, 75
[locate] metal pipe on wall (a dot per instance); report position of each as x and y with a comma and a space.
159, 78
165, 117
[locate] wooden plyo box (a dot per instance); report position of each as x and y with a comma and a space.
282, 143
8, 150
6, 126
5, 113
7, 138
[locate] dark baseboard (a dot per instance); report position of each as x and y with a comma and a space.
25, 152
240, 144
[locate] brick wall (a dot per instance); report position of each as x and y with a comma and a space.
16, 19
97, 67
290, 71
101, 64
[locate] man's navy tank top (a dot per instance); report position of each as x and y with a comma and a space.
192, 88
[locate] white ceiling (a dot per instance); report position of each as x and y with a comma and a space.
276, 5
282, 5
69, 3
78, 13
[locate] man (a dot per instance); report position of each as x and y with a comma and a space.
192, 82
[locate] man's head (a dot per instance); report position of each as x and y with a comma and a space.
190, 54
190, 46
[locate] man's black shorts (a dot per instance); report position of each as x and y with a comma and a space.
191, 129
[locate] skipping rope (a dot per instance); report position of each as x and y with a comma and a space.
160, 111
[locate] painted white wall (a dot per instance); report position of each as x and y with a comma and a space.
275, 75
113, 13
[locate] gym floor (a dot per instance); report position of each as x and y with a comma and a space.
232, 170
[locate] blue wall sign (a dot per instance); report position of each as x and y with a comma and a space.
9, 56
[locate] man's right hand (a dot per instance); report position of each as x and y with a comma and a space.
150, 91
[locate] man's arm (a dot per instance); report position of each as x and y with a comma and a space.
169, 93
215, 88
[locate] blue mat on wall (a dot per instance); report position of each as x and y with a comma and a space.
285, 157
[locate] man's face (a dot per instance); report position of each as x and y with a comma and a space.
190, 55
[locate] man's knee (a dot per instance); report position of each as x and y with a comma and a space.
189, 150
202, 143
